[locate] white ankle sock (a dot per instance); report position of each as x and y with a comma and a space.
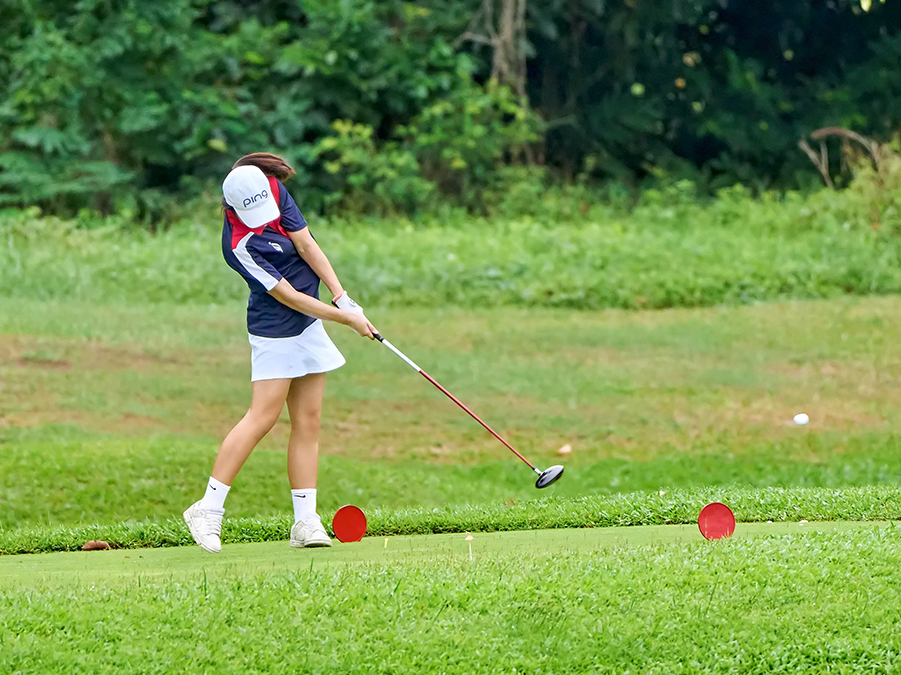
215, 495
304, 504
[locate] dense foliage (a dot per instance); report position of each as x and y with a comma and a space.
128, 105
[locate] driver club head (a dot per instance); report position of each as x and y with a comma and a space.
549, 475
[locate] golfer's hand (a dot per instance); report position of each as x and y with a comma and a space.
360, 324
346, 303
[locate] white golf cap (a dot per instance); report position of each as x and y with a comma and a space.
246, 190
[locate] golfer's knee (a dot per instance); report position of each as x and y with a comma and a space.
263, 420
307, 418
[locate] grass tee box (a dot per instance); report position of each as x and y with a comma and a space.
560, 602
170, 564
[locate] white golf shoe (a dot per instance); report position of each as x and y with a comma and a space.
206, 526
309, 533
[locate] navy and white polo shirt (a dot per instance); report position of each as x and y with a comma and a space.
264, 256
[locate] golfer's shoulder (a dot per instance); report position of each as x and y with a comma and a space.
292, 219
282, 193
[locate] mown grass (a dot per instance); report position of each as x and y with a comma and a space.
114, 413
670, 251
805, 603
662, 507
126, 566
63, 482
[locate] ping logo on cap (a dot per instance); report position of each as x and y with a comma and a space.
248, 191
264, 194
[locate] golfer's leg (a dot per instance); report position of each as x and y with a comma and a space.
305, 409
265, 407
204, 518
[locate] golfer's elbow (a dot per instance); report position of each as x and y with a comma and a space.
283, 291
303, 242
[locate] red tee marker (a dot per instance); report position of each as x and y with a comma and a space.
716, 521
349, 524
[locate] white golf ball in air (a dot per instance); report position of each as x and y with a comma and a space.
801, 419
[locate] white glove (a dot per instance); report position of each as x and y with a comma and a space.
346, 303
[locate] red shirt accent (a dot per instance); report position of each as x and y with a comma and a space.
240, 230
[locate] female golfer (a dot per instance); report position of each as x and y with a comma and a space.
266, 240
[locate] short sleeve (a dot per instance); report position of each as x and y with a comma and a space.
253, 266
292, 219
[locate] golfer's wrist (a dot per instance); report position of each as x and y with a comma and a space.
344, 317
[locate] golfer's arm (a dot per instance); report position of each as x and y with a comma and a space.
286, 294
309, 250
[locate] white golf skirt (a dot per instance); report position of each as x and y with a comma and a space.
286, 358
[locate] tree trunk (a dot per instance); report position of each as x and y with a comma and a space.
509, 66
507, 37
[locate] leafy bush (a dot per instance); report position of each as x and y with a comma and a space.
459, 145
101, 103
373, 180
463, 139
877, 187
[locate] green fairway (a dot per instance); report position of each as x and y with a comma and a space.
170, 564
114, 413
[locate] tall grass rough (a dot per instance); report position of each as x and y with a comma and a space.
671, 250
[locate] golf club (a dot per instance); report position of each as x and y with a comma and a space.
545, 478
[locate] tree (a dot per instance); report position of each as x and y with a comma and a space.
501, 24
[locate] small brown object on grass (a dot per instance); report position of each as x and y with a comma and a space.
95, 545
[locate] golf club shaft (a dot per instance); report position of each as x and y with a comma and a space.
454, 399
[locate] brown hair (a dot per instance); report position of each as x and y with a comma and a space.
271, 165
